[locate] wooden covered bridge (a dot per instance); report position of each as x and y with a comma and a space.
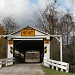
31, 40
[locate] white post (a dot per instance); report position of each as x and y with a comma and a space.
47, 54
49, 49
7, 63
48, 46
61, 48
10, 51
0, 64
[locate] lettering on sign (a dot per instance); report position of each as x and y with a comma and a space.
10, 41
28, 32
46, 41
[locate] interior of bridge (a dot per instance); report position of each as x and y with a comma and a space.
21, 47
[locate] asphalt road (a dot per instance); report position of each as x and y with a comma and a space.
22, 69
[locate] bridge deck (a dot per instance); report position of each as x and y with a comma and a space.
22, 69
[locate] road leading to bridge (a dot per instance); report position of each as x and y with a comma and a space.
22, 69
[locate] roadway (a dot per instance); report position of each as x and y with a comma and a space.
22, 69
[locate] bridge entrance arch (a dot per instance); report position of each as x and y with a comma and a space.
28, 50
28, 40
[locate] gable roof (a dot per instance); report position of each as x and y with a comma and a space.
30, 27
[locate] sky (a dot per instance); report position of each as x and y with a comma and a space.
23, 10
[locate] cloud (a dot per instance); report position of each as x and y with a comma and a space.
19, 9
23, 10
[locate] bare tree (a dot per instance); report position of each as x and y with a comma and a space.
10, 24
65, 27
48, 18
50, 21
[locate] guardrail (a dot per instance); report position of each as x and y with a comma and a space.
57, 65
6, 61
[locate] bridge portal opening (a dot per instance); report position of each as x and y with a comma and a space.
28, 51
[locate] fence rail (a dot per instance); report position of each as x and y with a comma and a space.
6, 61
57, 65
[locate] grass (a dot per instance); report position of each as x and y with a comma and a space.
49, 71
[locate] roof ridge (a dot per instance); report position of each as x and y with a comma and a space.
30, 27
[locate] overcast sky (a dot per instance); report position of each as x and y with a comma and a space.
22, 10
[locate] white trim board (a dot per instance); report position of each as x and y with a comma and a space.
27, 39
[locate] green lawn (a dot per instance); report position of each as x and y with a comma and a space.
49, 71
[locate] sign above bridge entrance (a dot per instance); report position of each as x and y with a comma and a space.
28, 32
